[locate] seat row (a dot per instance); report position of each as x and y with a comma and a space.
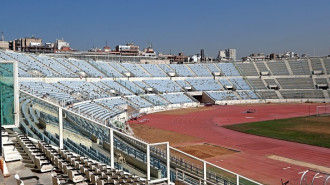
68, 167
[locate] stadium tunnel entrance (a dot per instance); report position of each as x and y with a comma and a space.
203, 98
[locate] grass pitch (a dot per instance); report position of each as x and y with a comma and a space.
310, 130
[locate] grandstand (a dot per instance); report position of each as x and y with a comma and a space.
182, 70
257, 83
204, 84
228, 69
164, 85
81, 106
278, 68
299, 67
200, 70
248, 69
154, 70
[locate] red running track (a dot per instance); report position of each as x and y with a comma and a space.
252, 160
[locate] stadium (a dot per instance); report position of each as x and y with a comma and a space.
98, 122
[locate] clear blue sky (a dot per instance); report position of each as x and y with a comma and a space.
180, 25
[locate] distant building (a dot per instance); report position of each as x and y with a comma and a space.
228, 54
60, 44
272, 56
128, 50
255, 57
181, 58
107, 49
202, 55
231, 54
195, 58
4, 45
30, 44
288, 55
222, 54
148, 52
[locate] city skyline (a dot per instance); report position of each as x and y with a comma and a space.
176, 26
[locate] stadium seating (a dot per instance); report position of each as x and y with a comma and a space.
182, 70
65, 62
86, 67
141, 84
300, 67
247, 69
296, 83
270, 82
268, 94
154, 70
59, 68
85, 88
32, 66
177, 98
107, 69
135, 69
165, 86
257, 83
240, 84
316, 64
213, 67
278, 68
131, 86
225, 82
156, 99
166, 68
262, 67
204, 84
228, 69
300, 94
42, 89
118, 67
94, 111
246, 95
200, 70
183, 83
327, 64
321, 81
137, 101
73, 168
222, 95
110, 84
101, 100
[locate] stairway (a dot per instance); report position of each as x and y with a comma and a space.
288, 67
279, 94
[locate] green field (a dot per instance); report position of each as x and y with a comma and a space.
310, 130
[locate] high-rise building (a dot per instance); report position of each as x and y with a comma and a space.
222, 54
272, 56
228, 54
202, 55
231, 54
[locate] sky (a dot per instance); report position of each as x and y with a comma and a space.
250, 26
